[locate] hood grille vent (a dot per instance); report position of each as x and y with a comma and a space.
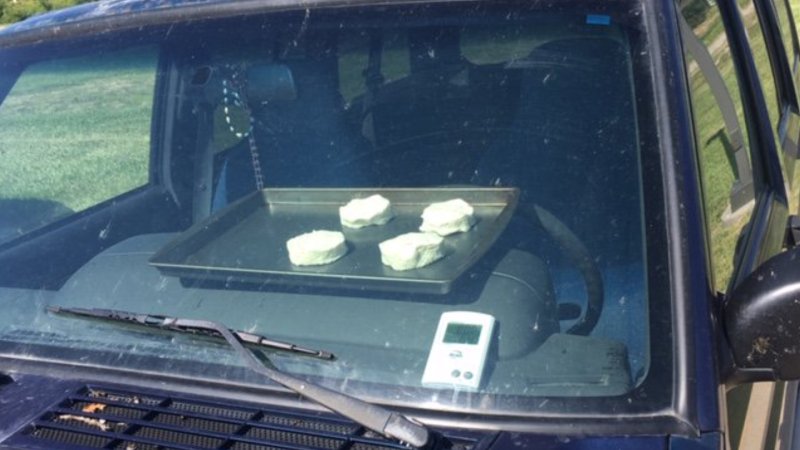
98, 417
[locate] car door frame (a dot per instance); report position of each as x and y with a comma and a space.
768, 224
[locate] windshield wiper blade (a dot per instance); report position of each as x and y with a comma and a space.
156, 321
388, 423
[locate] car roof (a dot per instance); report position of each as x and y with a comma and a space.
100, 10
116, 14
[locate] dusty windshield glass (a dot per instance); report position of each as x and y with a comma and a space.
448, 199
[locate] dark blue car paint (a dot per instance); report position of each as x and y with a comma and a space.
696, 332
707, 441
131, 14
28, 396
694, 338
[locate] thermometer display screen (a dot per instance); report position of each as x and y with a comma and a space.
461, 333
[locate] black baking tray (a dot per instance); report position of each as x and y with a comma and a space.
246, 242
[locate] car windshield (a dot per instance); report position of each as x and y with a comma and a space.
208, 170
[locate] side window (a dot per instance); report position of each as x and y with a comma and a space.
392, 61
766, 68
764, 65
787, 21
353, 60
508, 44
786, 25
74, 133
794, 7
722, 141
395, 59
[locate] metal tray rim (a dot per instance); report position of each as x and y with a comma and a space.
439, 285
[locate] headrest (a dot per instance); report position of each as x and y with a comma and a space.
268, 83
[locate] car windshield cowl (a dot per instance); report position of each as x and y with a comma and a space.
449, 198
389, 424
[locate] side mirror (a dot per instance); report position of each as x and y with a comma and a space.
762, 320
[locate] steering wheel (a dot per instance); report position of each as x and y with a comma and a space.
578, 255
573, 249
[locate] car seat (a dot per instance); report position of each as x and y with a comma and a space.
302, 140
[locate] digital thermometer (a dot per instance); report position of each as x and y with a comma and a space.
459, 349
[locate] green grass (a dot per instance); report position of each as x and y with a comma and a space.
77, 132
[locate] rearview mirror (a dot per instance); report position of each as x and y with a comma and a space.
264, 82
762, 320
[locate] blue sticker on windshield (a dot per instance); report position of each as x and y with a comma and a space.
598, 19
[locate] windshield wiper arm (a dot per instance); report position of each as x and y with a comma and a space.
377, 418
178, 325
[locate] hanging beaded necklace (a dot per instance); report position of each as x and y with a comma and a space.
233, 95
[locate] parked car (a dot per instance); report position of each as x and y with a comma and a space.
199, 201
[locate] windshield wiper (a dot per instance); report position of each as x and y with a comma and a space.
378, 419
181, 326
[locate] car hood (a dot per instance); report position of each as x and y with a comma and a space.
54, 413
